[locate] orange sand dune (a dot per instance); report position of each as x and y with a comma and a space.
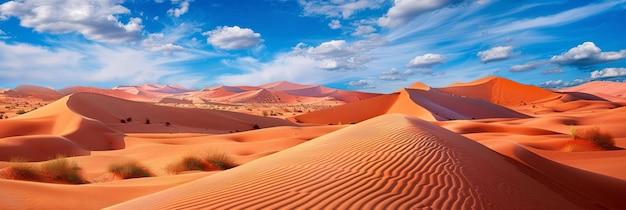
111, 111
55, 129
84, 122
390, 162
500, 91
425, 104
34, 195
46, 94
608, 90
109, 92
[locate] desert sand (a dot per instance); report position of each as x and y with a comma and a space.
487, 144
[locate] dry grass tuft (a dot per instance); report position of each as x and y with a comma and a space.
188, 163
21, 170
220, 159
597, 137
62, 169
212, 161
129, 170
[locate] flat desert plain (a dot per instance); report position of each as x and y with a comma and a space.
488, 144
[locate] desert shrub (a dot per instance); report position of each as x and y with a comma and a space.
265, 113
220, 159
23, 171
256, 126
129, 119
147, 121
62, 169
129, 170
123, 121
188, 163
597, 137
21, 111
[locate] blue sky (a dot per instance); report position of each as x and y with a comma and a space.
369, 45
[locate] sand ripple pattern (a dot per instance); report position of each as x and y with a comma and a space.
389, 162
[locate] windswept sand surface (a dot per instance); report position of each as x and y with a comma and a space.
389, 162
487, 144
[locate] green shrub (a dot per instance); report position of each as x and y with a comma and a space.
62, 169
597, 137
129, 170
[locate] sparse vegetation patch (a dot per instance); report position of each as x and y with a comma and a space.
129, 170
62, 169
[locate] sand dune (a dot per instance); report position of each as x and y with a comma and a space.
487, 144
430, 104
500, 91
109, 92
43, 93
84, 122
390, 162
609, 90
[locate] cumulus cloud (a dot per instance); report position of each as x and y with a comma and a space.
552, 84
182, 9
233, 38
337, 9
426, 61
334, 55
364, 31
404, 11
608, 72
158, 43
392, 75
361, 84
289, 67
496, 54
527, 66
76, 63
95, 20
587, 54
335, 24
556, 70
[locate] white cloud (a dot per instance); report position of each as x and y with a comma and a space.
426, 60
587, 54
527, 66
556, 70
294, 68
96, 20
364, 30
404, 11
361, 84
335, 54
233, 38
562, 18
177, 12
337, 8
552, 83
158, 43
92, 64
335, 24
495, 54
392, 75
608, 72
